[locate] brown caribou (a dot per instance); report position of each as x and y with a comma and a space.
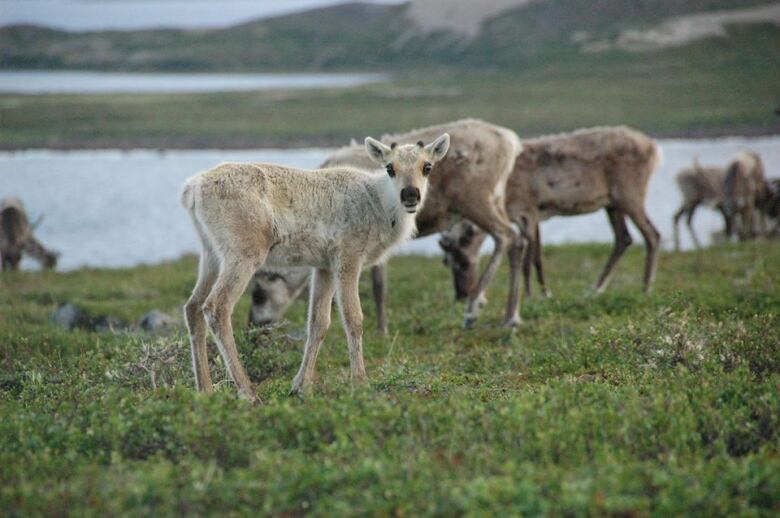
570, 174
17, 239
699, 186
745, 192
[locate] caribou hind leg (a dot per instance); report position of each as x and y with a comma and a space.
208, 268
652, 239
689, 223
617, 219
234, 276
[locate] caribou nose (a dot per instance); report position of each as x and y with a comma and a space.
410, 196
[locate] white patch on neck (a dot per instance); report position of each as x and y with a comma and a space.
400, 225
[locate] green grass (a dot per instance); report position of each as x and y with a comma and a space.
624, 404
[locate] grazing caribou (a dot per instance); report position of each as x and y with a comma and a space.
16, 237
745, 191
467, 184
772, 207
335, 220
699, 186
570, 174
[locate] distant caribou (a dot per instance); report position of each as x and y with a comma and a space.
335, 220
570, 174
468, 184
17, 239
746, 193
699, 186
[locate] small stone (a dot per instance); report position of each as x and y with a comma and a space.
68, 316
156, 320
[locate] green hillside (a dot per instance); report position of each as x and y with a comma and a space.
350, 36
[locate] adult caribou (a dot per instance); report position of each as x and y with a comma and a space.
699, 186
565, 175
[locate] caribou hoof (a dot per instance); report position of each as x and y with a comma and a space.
469, 322
513, 322
299, 387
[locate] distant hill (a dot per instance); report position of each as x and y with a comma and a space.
422, 33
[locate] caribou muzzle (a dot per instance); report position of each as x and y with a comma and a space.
410, 197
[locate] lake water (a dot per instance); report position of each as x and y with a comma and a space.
78, 82
115, 208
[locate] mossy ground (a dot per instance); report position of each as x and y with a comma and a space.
619, 404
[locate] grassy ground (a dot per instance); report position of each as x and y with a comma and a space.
621, 404
710, 88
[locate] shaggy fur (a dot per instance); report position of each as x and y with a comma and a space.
334, 220
577, 173
468, 183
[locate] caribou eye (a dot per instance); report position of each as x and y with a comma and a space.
390, 170
427, 168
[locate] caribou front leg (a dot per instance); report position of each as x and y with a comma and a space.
320, 302
352, 317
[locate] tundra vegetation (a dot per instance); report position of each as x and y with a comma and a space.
623, 403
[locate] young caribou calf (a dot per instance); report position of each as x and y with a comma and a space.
335, 221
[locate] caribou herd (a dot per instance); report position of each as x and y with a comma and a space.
284, 228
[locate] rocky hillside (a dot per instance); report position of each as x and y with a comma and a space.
421, 33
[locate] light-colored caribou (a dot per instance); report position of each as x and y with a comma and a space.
468, 183
699, 186
16, 237
335, 220
745, 194
570, 174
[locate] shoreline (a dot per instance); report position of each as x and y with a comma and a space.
327, 141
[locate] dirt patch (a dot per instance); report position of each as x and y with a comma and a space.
682, 30
463, 17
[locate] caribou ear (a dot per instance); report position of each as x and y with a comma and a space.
377, 151
438, 148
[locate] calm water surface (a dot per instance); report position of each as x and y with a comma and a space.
77, 82
114, 208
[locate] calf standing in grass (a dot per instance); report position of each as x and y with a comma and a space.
570, 174
335, 221
699, 185
16, 237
